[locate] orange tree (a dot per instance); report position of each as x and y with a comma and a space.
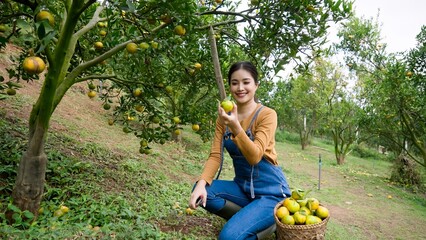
391, 89
141, 58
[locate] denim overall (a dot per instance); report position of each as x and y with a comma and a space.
256, 188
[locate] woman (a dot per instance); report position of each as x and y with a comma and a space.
248, 134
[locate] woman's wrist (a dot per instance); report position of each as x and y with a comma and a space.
202, 183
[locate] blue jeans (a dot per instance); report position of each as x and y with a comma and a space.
257, 189
255, 215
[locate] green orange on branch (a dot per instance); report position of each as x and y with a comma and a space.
10, 91
3, 28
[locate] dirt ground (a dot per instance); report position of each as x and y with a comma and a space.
354, 211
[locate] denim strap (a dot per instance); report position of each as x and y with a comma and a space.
223, 146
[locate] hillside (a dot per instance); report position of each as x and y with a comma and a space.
362, 201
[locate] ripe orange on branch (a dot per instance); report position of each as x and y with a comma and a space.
33, 65
91, 94
180, 30
195, 127
98, 45
198, 66
45, 15
132, 47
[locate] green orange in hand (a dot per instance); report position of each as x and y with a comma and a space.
227, 104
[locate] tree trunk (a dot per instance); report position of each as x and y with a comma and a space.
340, 159
29, 185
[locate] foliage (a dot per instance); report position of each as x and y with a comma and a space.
286, 136
391, 89
363, 151
405, 172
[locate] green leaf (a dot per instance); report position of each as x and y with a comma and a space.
17, 217
41, 31
13, 208
28, 214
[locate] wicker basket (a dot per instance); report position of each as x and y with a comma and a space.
300, 232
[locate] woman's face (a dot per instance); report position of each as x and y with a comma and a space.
243, 87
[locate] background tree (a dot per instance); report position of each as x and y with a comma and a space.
391, 87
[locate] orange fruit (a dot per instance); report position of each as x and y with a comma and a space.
33, 65
288, 219
139, 108
313, 204
311, 219
293, 206
58, 213
65, 209
176, 120
178, 132
310, 8
322, 212
11, 91
286, 202
156, 120
144, 45
299, 218
132, 47
195, 127
3, 28
180, 30
45, 15
137, 92
107, 106
91, 94
98, 45
281, 212
102, 33
189, 211
143, 143
154, 44
305, 210
227, 105
198, 66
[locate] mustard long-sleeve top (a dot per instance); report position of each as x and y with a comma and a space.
264, 127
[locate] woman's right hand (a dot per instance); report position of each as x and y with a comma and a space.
199, 192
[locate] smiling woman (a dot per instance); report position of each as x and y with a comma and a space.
247, 132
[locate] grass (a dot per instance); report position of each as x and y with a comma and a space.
106, 183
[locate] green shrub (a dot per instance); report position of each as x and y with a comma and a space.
285, 136
362, 151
